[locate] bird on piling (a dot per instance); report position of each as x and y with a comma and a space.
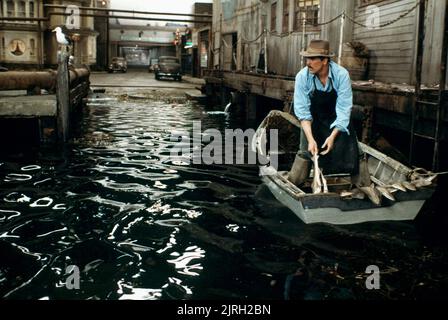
62, 38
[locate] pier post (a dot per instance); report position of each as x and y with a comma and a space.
63, 96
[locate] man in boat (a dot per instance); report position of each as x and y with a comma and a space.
323, 102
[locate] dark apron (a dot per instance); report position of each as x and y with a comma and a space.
343, 158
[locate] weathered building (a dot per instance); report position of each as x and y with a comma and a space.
239, 34
256, 46
28, 41
79, 27
101, 25
21, 42
197, 42
140, 44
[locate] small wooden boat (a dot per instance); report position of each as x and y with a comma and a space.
397, 192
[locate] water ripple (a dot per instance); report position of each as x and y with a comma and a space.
141, 224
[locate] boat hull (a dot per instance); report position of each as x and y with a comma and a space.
403, 210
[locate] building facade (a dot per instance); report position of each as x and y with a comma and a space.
29, 42
243, 30
141, 44
79, 28
21, 42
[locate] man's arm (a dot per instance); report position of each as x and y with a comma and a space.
312, 144
344, 102
329, 142
302, 106
344, 105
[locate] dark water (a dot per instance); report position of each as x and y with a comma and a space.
140, 225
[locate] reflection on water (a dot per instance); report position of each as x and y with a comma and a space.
141, 225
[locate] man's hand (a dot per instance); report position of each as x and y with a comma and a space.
329, 143
312, 147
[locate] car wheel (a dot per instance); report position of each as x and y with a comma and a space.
109, 71
157, 77
179, 78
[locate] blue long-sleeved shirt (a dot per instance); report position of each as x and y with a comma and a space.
343, 86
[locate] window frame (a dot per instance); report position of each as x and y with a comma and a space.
311, 23
31, 11
273, 27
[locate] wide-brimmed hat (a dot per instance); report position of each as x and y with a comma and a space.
318, 48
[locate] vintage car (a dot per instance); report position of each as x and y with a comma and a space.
118, 64
168, 67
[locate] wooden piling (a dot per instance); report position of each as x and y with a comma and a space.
63, 96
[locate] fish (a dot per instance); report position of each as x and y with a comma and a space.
352, 194
346, 194
409, 185
398, 186
386, 193
372, 193
324, 181
316, 185
419, 183
358, 194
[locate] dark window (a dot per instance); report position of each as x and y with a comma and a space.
308, 10
10, 8
3, 46
21, 12
285, 25
31, 8
32, 47
274, 16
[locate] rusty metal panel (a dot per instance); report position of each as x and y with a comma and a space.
23, 80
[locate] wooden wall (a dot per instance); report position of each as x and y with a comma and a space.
392, 48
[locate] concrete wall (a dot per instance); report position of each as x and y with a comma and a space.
16, 47
23, 33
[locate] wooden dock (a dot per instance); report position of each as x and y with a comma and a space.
50, 97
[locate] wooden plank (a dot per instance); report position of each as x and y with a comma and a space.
28, 106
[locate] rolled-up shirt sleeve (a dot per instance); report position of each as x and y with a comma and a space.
344, 103
302, 101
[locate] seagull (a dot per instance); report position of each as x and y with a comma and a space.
61, 37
